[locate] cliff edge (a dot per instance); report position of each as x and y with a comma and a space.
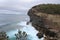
45, 18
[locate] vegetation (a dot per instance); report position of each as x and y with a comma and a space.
48, 8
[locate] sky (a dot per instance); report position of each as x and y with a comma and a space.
21, 6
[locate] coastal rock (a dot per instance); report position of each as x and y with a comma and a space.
21, 35
45, 18
3, 36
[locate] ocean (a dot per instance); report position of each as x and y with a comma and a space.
11, 23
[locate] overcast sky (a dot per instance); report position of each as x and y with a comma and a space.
21, 6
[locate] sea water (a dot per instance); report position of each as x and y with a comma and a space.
27, 28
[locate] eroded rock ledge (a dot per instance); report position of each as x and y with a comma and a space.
46, 19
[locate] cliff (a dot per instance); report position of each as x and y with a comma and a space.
45, 18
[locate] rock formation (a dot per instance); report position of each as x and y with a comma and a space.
45, 18
3, 36
21, 35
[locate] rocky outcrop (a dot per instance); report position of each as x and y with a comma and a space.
46, 19
3, 36
21, 35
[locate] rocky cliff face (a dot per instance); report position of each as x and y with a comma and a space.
45, 21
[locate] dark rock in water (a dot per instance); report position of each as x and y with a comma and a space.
21, 35
45, 18
40, 35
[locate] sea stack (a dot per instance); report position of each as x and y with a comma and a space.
45, 18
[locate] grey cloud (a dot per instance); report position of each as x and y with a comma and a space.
21, 6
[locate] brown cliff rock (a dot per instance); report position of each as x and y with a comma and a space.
46, 19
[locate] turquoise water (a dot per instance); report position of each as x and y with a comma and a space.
27, 28
13, 38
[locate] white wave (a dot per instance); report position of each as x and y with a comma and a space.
28, 29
